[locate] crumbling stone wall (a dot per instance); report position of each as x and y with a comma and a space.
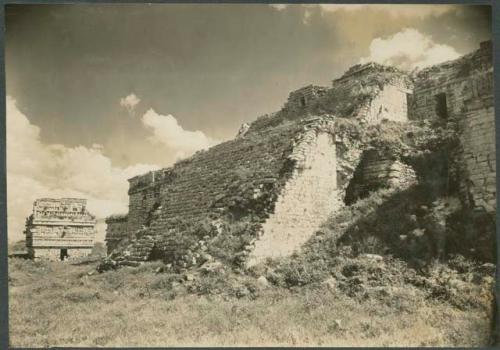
375, 171
289, 170
204, 185
299, 100
306, 200
390, 104
144, 193
116, 231
284, 178
369, 92
450, 84
461, 92
386, 91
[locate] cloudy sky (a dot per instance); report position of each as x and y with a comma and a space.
99, 93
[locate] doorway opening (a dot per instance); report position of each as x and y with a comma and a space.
64, 254
441, 106
302, 101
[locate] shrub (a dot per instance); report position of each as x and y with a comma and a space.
165, 281
81, 295
298, 271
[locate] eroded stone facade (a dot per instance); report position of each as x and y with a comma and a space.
305, 202
291, 169
375, 171
461, 91
116, 231
60, 229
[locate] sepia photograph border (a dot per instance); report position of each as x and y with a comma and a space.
4, 295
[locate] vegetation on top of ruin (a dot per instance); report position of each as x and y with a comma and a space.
345, 99
372, 67
117, 217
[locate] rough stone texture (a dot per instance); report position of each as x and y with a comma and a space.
305, 202
369, 92
390, 104
465, 88
204, 184
116, 231
290, 170
299, 100
55, 254
386, 90
60, 226
479, 157
376, 171
459, 80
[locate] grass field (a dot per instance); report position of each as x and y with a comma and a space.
57, 304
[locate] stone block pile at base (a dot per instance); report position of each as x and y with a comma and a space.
287, 172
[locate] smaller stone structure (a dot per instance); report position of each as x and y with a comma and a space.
298, 100
60, 229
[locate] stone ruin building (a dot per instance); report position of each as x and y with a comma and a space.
289, 171
60, 229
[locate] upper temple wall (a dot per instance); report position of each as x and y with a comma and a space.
441, 91
370, 92
462, 91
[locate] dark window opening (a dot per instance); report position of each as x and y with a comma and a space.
408, 105
64, 254
302, 101
156, 254
441, 107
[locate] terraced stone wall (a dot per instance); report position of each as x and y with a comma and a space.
222, 181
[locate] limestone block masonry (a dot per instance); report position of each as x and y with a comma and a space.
305, 202
390, 104
375, 171
116, 231
288, 171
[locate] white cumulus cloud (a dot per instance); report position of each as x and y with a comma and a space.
394, 10
130, 101
279, 6
167, 131
409, 49
36, 169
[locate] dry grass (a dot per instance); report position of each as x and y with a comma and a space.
55, 304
